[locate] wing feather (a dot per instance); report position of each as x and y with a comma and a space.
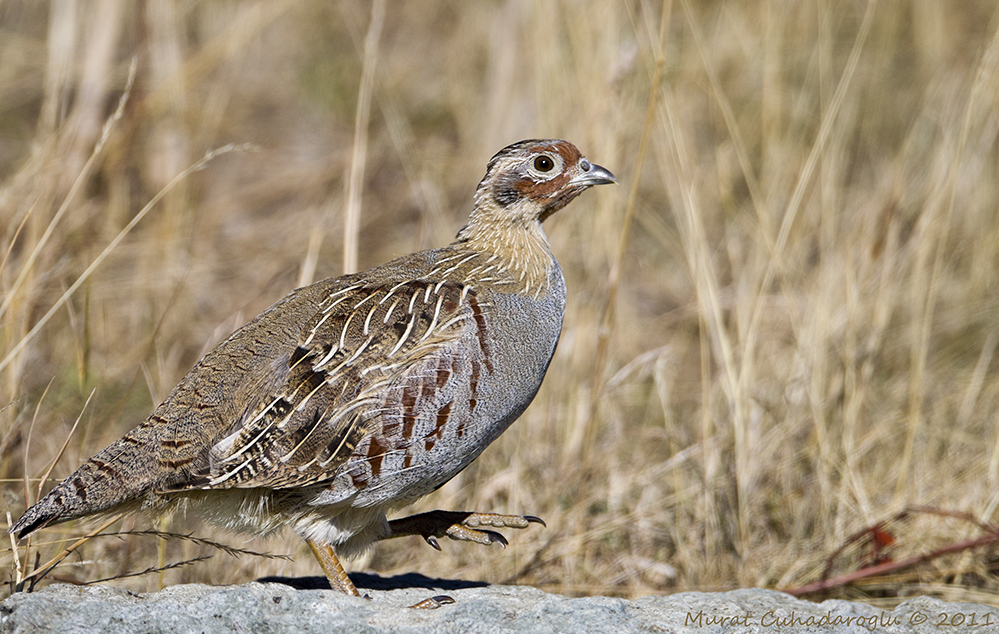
350, 356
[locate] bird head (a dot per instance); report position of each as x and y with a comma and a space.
530, 180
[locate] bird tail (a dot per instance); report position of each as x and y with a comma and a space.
113, 478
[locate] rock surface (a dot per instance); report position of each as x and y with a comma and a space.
279, 607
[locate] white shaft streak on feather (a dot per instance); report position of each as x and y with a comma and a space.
245, 426
405, 335
453, 267
230, 474
408, 359
433, 322
443, 260
368, 397
388, 313
338, 293
343, 440
343, 331
367, 320
360, 349
397, 287
299, 407
326, 359
412, 302
328, 311
426, 296
369, 296
312, 333
321, 422
454, 320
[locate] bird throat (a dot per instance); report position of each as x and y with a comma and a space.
518, 248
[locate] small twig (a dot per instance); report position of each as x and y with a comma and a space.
825, 583
41, 571
229, 550
147, 571
891, 566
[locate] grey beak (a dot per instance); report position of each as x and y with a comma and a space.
595, 175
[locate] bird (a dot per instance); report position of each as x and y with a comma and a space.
354, 396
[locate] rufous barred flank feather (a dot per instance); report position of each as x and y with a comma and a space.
355, 396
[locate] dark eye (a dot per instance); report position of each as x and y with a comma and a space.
544, 163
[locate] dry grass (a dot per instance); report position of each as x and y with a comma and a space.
801, 330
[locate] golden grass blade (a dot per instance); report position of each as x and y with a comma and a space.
65, 444
197, 166
81, 179
614, 276
44, 569
27, 445
18, 570
359, 154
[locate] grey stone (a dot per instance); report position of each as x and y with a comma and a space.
271, 607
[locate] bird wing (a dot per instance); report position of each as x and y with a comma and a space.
364, 341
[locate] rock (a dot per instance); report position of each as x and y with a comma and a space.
271, 607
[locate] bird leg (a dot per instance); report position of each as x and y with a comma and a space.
339, 580
459, 525
333, 568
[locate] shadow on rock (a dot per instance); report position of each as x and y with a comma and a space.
369, 581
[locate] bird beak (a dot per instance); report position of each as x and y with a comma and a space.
595, 175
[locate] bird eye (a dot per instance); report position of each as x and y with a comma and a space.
544, 163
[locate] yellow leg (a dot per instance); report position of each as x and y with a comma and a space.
334, 570
340, 581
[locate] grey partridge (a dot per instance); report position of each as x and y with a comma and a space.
355, 396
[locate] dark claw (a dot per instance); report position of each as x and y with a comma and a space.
433, 602
536, 520
496, 538
432, 541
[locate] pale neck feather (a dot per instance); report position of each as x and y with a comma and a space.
515, 241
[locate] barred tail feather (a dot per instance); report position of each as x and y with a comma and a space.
112, 478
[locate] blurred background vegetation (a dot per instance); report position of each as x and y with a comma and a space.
781, 324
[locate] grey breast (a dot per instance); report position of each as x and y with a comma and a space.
429, 427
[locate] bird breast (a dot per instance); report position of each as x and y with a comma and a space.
443, 411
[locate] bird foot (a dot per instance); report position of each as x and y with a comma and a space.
460, 526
